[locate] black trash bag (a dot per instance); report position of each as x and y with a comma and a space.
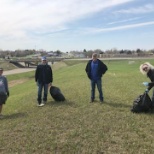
56, 94
142, 103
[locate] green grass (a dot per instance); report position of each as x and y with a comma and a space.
76, 126
29, 75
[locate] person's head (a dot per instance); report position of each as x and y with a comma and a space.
44, 60
1, 71
94, 56
145, 67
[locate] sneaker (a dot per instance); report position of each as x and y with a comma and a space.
40, 105
101, 101
92, 101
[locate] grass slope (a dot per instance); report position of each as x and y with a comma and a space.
6, 65
76, 126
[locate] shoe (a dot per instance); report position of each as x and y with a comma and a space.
92, 101
40, 105
101, 101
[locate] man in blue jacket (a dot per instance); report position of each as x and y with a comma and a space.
95, 69
44, 78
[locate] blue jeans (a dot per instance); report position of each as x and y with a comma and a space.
99, 87
42, 86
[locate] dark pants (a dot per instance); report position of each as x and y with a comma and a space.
99, 87
153, 98
42, 87
3, 98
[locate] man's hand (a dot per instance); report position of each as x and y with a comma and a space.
8, 94
50, 84
146, 90
146, 83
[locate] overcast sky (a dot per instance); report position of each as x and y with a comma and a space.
76, 24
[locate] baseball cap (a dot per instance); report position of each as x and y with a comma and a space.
1, 69
44, 58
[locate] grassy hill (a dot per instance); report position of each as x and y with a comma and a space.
6, 65
77, 126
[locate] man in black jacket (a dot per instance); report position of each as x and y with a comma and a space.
44, 78
95, 69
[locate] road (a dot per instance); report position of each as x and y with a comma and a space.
22, 70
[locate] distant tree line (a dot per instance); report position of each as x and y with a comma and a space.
85, 53
16, 53
114, 51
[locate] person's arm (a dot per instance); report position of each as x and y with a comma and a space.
87, 69
51, 75
103, 67
36, 74
6, 86
150, 85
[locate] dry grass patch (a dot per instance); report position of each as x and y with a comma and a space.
16, 82
58, 65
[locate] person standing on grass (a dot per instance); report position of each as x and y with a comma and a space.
95, 69
44, 78
148, 69
4, 91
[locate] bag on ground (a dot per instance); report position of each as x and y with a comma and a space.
56, 94
142, 103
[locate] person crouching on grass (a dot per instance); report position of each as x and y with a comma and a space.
148, 69
43, 78
95, 69
4, 91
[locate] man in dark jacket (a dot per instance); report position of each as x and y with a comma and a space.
43, 77
95, 69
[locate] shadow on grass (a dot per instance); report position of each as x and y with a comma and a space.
117, 105
15, 115
64, 103
120, 107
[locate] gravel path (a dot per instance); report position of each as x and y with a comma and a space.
18, 70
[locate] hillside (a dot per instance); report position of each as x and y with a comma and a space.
77, 126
